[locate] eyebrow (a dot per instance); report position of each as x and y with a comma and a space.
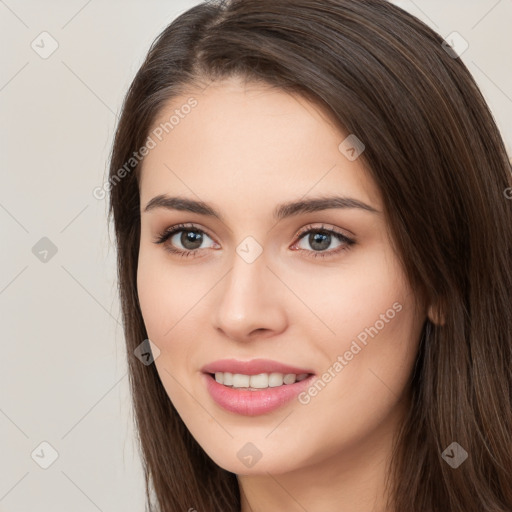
281, 212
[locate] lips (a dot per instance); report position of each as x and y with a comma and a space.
250, 401
253, 367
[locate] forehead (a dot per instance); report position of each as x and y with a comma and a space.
248, 142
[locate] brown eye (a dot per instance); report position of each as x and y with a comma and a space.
190, 240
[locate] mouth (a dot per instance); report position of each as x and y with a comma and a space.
259, 381
254, 387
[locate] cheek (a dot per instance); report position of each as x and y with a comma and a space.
166, 292
369, 364
352, 296
166, 297
154, 302
371, 357
174, 301
374, 328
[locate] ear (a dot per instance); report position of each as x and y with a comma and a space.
435, 316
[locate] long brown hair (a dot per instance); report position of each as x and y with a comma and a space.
436, 155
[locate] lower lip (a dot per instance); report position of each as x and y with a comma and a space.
253, 403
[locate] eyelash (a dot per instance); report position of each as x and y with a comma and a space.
163, 237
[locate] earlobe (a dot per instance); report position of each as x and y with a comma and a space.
435, 316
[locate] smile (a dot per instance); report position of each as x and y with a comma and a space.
260, 381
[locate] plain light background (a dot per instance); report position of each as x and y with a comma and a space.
63, 376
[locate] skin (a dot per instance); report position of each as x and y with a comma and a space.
244, 149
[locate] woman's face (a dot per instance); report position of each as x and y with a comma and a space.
315, 293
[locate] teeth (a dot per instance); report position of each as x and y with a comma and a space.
275, 379
260, 381
289, 378
241, 381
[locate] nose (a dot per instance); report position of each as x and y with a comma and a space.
250, 302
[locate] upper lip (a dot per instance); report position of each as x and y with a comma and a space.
252, 367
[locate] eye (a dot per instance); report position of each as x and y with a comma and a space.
320, 239
188, 236
191, 238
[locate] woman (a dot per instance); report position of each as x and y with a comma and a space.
314, 245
